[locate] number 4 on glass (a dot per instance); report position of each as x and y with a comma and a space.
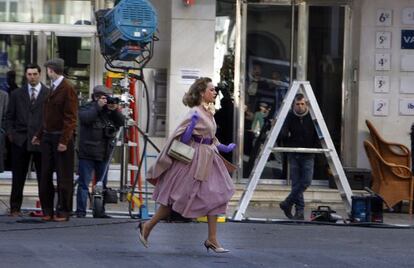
383, 62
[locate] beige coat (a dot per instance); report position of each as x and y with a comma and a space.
205, 127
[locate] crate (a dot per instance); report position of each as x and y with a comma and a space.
366, 209
358, 178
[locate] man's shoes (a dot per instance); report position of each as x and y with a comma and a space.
287, 209
15, 214
299, 216
103, 216
47, 218
60, 219
80, 215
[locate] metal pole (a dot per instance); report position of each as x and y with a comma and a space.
125, 148
31, 46
52, 44
239, 78
302, 44
412, 147
292, 40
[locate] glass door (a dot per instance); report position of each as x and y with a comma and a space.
279, 43
32, 43
39, 43
16, 50
269, 55
76, 52
325, 72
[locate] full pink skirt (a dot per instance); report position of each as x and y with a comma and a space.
193, 198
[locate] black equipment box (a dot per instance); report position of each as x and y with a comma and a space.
367, 209
110, 196
323, 213
358, 178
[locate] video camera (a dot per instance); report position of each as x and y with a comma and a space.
112, 100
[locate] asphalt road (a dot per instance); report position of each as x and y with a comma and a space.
113, 243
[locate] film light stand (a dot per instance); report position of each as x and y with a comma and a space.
125, 143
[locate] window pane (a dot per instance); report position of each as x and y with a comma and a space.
15, 53
224, 70
75, 51
47, 11
267, 80
325, 64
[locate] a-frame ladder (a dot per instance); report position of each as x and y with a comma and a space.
328, 149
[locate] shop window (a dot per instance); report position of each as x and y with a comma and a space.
47, 11
76, 52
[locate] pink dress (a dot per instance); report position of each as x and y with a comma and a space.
202, 187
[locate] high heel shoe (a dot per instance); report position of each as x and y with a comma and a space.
143, 241
214, 248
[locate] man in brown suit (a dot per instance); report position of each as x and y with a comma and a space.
57, 145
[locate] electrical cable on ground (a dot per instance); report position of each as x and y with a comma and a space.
251, 221
66, 226
345, 224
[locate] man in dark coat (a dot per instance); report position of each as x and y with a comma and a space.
224, 121
56, 142
99, 123
23, 120
299, 132
4, 100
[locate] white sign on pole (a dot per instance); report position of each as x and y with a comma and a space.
380, 107
406, 106
407, 63
407, 84
407, 16
187, 76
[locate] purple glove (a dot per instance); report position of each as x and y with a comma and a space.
186, 137
226, 148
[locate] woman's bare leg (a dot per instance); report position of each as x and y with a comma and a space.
212, 230
161, 213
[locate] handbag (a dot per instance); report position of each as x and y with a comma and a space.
181, 151
229, 166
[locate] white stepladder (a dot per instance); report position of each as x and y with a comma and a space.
328, 149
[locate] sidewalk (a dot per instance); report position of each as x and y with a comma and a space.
270, 210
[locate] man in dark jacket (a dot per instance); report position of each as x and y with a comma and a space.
4, 100
99, 122
299, 131
23, 120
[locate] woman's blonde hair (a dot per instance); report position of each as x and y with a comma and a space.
193, 96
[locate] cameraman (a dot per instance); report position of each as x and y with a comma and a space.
99, 123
